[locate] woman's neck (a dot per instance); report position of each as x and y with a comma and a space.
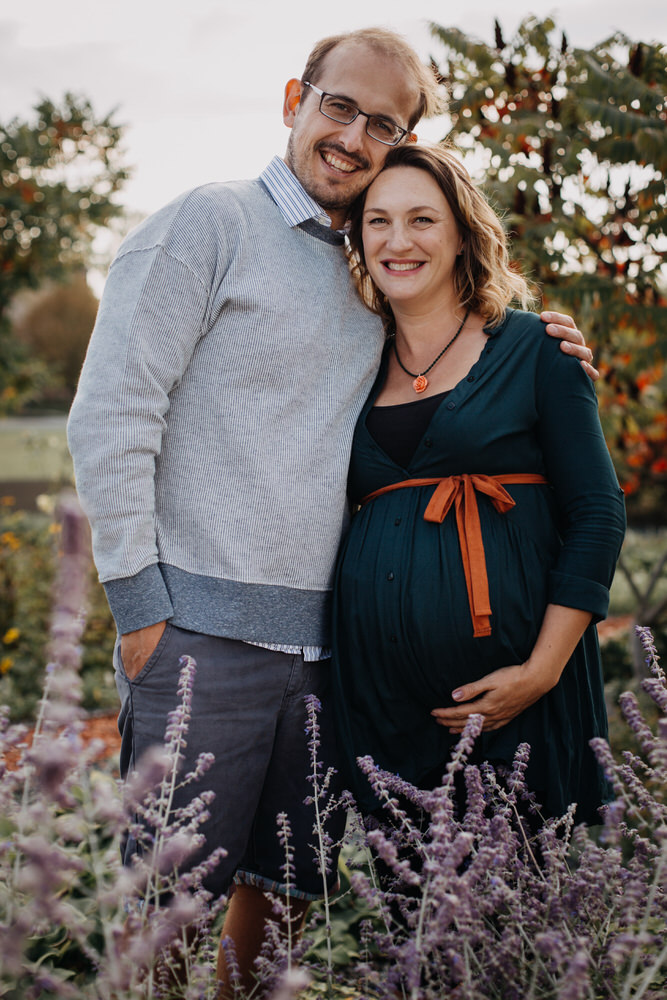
417, 329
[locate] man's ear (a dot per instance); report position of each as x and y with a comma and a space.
293, 92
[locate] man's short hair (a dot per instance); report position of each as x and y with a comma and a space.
386, 43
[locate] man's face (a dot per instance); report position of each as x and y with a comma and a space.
336, 162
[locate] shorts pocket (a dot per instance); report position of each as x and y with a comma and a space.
152, 659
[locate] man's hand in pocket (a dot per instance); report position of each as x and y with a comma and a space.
136, 648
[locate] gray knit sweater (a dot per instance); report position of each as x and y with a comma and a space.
212, 426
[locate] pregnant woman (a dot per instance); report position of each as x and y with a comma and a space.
490, 515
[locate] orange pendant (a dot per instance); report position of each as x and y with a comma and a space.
420, 383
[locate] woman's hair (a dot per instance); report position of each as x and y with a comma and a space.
485, 279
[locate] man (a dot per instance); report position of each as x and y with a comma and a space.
211, 434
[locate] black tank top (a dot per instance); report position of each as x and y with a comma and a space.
398, 429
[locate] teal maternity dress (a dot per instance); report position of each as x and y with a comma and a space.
403, 634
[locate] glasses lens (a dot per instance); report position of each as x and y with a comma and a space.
337, 109
340, 110
384, 131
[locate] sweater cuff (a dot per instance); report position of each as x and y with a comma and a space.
578, 592
138, 601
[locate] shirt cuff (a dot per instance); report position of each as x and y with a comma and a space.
578, 592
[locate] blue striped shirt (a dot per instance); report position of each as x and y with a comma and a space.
295, 204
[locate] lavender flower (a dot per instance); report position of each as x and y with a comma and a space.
652, 659
479, 908
290, 985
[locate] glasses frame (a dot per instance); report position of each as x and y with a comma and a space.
322, 94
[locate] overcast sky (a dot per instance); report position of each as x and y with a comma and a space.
199, 83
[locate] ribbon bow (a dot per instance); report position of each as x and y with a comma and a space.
461, 493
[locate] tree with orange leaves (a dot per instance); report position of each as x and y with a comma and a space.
572, 145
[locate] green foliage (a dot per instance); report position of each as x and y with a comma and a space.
56, 329
60, 174
347, 914
22, 378
28, 552
573, 146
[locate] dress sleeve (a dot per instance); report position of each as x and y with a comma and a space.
580, 471
152, 313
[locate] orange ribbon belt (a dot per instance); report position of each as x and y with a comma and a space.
461, 492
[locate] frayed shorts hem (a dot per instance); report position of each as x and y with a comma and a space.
243, 877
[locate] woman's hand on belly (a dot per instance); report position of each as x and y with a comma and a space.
505, 693
499, 697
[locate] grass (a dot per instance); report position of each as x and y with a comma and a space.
34, 450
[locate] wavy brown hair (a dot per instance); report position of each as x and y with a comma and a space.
485, 279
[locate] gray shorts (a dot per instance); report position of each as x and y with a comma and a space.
248, 710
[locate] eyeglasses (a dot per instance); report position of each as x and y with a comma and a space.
340, 110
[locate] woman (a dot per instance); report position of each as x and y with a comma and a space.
478, 589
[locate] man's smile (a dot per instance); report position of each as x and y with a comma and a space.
344, 162
333, 161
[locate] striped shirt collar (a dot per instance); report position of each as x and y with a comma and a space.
295, 204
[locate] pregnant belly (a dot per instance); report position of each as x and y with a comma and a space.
406, 613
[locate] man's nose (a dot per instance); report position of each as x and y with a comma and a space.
353, 136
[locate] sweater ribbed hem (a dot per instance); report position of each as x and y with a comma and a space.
247, 611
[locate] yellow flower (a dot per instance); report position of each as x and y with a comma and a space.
9, 539
11, 635
7, 501
6, 663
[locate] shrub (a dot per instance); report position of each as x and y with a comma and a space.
28, 553
73, 921
56, 328
491, 907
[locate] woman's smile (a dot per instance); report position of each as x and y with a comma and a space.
402, 265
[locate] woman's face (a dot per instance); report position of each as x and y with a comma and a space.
410, 236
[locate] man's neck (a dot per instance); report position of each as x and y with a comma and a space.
338, 216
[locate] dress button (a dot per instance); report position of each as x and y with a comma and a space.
451, 406
489, 348
390, 576
397, 521
471, 378
428, 442
393, 638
